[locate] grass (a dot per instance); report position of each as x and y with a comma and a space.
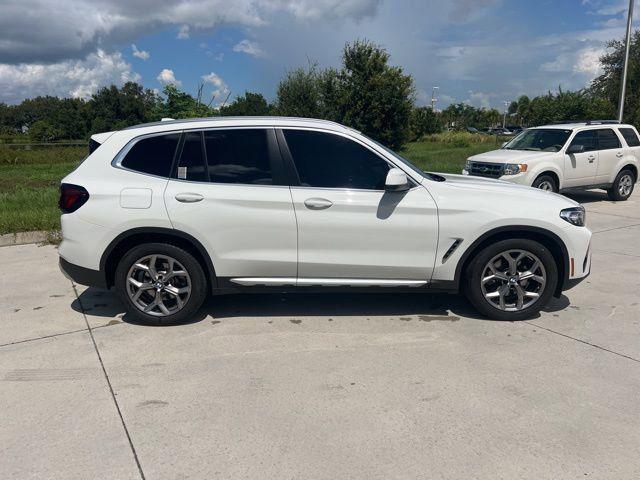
29, 179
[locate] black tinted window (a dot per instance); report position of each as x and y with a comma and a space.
153, 155
192, 166
630, 136
588, 139
608, 139
332, 161
238, 156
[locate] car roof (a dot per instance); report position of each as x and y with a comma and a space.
211, 122
585, 125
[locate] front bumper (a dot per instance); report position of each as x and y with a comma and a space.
82, 275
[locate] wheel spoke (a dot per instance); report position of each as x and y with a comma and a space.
152, 267
521, 294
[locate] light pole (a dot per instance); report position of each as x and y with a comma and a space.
433, 98
504, 118
625, 67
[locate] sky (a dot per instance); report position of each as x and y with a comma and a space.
481, 52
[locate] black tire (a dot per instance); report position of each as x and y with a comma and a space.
475, 271
197, 282
617, 193
545, 180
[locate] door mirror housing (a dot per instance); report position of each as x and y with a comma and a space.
397, 181
575, 149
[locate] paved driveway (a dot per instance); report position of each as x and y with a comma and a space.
324, 386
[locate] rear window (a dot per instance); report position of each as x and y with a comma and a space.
152, 155
607, 139
630, 136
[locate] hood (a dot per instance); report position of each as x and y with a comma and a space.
510, 156
501, 188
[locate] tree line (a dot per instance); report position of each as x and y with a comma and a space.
365, 93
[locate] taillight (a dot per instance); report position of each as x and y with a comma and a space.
72, 197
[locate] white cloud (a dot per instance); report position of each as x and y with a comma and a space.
167, 77
220, 89
142, 54
183, 33
250, 48
585, 61
70, 78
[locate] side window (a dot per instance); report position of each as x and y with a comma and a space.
607, 139
332, 161
192, 165
588, 139
238, 156
630, 136
152, 155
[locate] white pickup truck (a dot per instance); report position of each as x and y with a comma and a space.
597, 154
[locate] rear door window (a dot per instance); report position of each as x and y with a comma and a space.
239, 156
192, 165
152, 155
588, 139
607, 139
630, 136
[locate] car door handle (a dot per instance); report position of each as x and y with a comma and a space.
619, 154
189, 197
317, 203
591, 158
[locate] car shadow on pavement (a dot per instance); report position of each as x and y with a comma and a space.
588, 196
104, 303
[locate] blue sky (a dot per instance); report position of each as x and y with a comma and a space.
482, 52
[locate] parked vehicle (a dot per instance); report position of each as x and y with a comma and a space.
557, 158
171, 211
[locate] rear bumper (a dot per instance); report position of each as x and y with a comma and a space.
82, 275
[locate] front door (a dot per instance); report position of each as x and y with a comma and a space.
350, 231
609, 154
227, 193
580, 168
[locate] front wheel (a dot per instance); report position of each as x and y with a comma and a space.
511, 279
622, 187
547, 183
160, 284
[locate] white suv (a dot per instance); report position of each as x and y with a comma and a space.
169, 212
603, 154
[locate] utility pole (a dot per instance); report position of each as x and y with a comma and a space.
433, 98
625, 67
504, 118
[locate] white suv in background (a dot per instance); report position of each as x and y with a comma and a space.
169, 212
603, 154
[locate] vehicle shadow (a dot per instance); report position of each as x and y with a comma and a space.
588, 196
104, 303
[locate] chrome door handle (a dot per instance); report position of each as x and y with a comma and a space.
317, 203
619, 154
189, 197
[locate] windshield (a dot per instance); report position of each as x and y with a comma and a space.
540, 140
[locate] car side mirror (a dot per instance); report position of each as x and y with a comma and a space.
575, 149
396, 181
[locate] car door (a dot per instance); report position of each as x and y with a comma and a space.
580, 168
609, 154
227, 191
350, 230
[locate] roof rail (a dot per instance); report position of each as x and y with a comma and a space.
603, 122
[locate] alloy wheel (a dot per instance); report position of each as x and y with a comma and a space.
158, 285
546, 186
513, 280
625, 185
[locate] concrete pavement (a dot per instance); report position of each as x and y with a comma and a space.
324, 386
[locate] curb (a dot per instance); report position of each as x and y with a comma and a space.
24, 238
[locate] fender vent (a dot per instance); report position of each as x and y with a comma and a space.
452, 249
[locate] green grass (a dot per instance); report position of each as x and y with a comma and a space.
29, 179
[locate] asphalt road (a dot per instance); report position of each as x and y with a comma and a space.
324, 386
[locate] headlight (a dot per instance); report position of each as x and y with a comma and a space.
575, 216
514, 168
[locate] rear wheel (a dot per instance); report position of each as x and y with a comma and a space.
546, 182
511, 279
160, 284
622, 187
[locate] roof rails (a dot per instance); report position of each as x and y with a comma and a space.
603, 122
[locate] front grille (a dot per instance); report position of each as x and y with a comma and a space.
482, 169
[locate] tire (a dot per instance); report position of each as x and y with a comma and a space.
478, 270
622, 187
546, 182
181, 293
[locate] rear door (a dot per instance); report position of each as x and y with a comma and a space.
350, 231
610, 152
228, 191
580, 168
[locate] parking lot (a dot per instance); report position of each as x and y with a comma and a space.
324, 386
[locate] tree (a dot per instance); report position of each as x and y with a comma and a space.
249, 104
607, 86
43, 131
423, 121
298, 93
